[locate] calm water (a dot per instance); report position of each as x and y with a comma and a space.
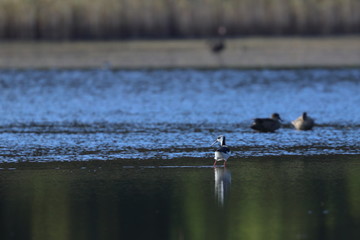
271, 198
102, 154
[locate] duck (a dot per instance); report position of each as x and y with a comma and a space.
304, 122
222, 153
267, 124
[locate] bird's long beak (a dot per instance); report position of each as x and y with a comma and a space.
214, 143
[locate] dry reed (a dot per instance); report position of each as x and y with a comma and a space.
121, 19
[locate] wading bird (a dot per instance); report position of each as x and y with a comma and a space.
217, 45
222, 153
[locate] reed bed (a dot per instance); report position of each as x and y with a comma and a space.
124, 19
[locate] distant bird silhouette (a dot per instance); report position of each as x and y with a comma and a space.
218, 45
267, 124
304, 122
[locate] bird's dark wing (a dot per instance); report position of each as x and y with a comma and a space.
265, 124
258, 124
223, 150
217, 45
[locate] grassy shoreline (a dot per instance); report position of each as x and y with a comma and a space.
252, 52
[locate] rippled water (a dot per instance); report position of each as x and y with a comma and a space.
71, 115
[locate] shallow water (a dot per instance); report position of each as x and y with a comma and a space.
106, 115
294, 197
101, 154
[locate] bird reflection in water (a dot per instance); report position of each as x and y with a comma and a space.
222, 184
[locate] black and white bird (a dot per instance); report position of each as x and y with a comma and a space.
267, 124
222, 153
304, 122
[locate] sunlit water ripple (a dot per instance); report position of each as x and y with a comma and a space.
108, 115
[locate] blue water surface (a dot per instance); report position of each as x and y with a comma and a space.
80, 115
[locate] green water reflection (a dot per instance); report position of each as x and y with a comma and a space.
273, 198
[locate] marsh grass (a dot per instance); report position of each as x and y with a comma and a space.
120, 19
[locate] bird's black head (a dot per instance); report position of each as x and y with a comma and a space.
276, 116
304, 115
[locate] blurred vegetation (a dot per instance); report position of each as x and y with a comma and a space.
122, 19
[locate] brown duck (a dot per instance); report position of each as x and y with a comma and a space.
267, 124
304, 122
